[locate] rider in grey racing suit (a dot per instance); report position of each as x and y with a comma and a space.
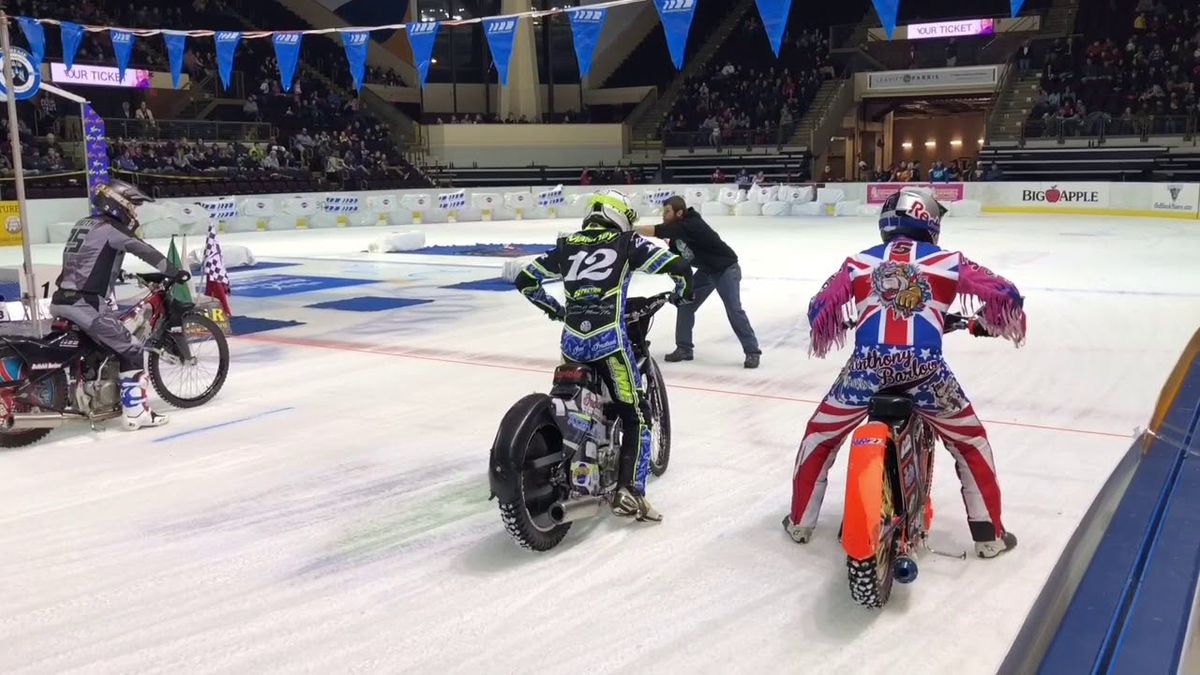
92, 261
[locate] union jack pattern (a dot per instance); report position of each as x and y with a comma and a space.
902, 291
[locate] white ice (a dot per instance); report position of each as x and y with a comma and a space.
328, 512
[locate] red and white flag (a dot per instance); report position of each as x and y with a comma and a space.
216, 284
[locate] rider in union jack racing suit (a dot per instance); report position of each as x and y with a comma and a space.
901, 291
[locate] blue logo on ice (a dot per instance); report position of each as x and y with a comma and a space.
273, 285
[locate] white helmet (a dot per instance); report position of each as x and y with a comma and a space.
612, 209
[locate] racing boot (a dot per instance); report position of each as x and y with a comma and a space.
627, 503
800, 535
987, 543
137, 407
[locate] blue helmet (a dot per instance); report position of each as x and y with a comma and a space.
912, 212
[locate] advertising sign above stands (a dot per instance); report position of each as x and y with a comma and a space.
99, 76
946, 29
920, 80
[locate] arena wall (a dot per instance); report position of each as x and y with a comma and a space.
50, 219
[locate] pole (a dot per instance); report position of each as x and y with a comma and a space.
14, 139
453, 72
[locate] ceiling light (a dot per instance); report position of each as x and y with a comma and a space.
956, 142
931, 144
907, 145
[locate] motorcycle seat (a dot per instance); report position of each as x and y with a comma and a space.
893, 408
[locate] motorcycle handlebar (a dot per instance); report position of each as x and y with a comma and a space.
653, 304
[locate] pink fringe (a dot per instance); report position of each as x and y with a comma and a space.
829, 322
1001, 306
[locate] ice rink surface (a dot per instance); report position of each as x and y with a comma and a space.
328, 511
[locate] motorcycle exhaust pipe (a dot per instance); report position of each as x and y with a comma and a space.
575, 509
26, 421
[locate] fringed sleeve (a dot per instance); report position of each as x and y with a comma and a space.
829, 313
1001, 307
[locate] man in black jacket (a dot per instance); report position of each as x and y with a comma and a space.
717, 270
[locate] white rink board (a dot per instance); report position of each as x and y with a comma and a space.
328, 511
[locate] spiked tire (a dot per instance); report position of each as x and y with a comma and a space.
871, 580
525, 509
660, 409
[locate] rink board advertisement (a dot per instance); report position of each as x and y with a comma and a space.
877, 193
1176, 199
1048, 197
10, 215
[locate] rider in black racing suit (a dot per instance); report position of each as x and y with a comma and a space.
596, 265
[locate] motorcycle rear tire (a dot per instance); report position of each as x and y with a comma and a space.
52, 391
871, 579
527, 519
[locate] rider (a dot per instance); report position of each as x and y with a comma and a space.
596, 265
901, 292
92, 261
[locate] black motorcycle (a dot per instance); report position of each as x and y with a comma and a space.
556, 457
66, 376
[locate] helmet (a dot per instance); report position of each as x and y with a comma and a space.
120, 200
610, 209
912, 212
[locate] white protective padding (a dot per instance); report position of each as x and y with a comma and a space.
164, 219
513, 267
519, 202
730, 196
748, 209
846, 208
234, 255
965, 207
296, 210
420, 206
398, 242
337, 210
796, 193
761, 194
870, 210
776, 209
714, 209
830, 195
697, 196
576, 205
809, 209
58, 232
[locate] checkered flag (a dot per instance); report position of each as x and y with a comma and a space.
216, 284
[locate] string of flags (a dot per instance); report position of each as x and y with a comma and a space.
586, 24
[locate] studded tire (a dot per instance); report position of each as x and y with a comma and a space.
660, 409
526, 515
871, 580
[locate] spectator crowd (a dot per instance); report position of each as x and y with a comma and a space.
749, 96
1142, 82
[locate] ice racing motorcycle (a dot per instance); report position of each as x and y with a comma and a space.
555, 458
888, 510
65, 376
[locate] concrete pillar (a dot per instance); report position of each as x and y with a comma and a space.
520, 97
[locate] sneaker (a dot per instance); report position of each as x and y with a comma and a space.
752, 360
800, 535
629, 504
993, 548
680, 354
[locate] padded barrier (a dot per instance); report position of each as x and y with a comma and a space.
396, 242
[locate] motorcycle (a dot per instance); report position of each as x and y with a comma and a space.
889, 512
556, 456
66, 376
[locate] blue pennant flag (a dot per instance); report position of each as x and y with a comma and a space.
287, 53
122, 42
887, 9
36, 38
500, 32
1015, 5
175, 43
774, 15
72, 33
676, 18
227, 42
421, 37
585, 26
356, 53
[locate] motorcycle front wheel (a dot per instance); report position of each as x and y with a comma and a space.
660, 422
193, 381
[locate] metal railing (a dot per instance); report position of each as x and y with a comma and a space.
191, 129
742, 138
1101, 127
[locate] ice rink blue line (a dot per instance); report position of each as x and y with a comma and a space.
192, 432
